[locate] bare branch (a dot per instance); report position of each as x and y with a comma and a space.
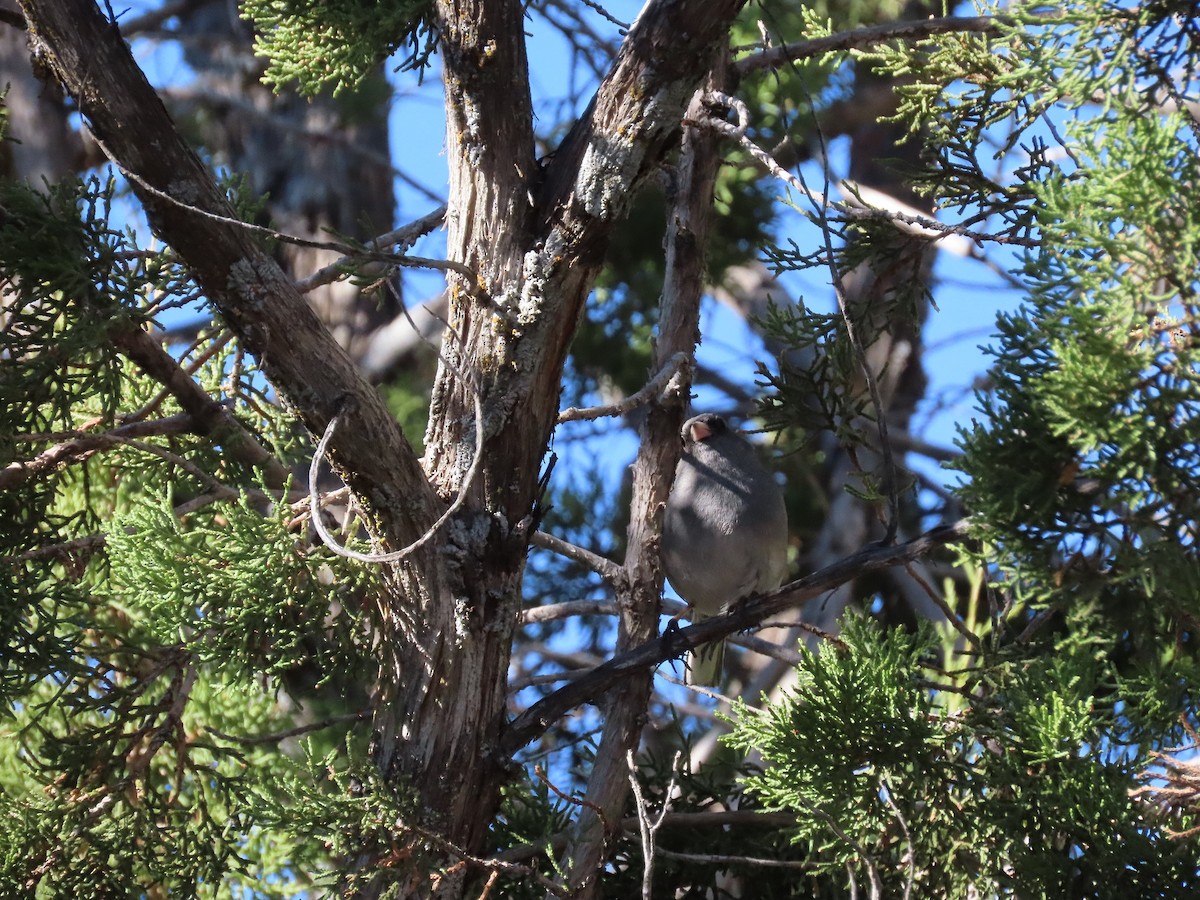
652, 389
80, 445
940, 601
868, 860
535, 720
856, 204
648, 829
682, 820
213, 418
150, 21
277, 736
605, 568
644, 828
84, 546
910, 855
493, 864
868, 36
717, 859
186, 207
404, 236
553, 611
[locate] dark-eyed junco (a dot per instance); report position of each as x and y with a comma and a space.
725, 534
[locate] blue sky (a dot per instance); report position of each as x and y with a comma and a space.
967, 293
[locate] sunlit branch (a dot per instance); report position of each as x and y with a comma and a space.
535, 720
649, 392
869, 36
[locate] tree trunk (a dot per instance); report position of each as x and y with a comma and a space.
535, 245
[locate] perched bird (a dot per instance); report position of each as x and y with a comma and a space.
725, 534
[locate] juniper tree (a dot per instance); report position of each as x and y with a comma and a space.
204, 698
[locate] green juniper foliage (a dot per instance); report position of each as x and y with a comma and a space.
318, 44
150, 619
183, 668
1024, 792
1081, 475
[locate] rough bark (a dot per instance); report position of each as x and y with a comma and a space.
535, 246
640, 591
510, 330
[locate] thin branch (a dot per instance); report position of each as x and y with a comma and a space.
653, 388
220, 338
260, 230
493, 864
940, 601
80, 445
605, 14
868, 36
349, 250
214, 419
856, 206
568, 798
788, 655
816, 632
277, 736
868, 860
150, 21
683, 820
404, 236
717, 859
570, 608
554, 611
489, 884
911, 854
646, 828
869, 202
84, 546
605, 568
860, 351
535, 720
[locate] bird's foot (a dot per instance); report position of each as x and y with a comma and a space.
668, 643
740, 604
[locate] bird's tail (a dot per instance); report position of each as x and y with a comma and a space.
706, 664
